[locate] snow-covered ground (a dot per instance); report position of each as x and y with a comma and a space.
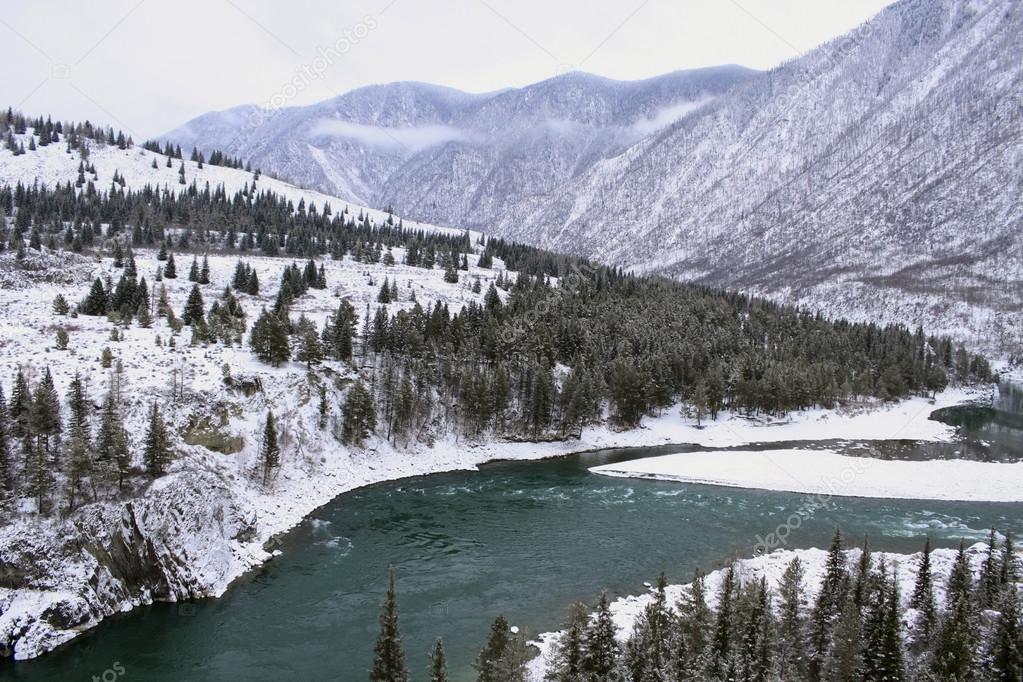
194, 531
53, 164
626, 610
823, 472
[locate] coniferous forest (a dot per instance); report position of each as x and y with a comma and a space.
857, 627
560, 345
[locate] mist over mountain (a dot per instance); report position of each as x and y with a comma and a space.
458, 158
879, 175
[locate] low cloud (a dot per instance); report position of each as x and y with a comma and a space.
414, 138
665, 116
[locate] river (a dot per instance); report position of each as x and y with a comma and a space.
524, 539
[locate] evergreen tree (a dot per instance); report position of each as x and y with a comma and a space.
503, 658
194, 312
204, 271
922, 598
438, 662
828, 606
157, 444
720, 656
269, 451
602, 650
568, 664
792, 622
1005, 653
46, 420
388, 655
324, 408
6, 461
112, 451
170, 271
193, 271
96, 302
955, 648
360, 416
990, 584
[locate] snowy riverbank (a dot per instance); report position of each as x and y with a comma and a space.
627, 610
207, 524
823, 472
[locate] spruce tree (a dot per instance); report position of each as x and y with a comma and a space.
438, 663
112, 451
6, 461
503, 658
269, 451
157, 444
602, 649
922, 598
46, 420
170, 270
955, 647
828, 606
388, 655
569, 656
194, 312
989, 586
360, 416
1010, 563
792, 622
204, 271
720, 656
1005, 652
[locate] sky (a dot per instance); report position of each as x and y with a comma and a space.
147, 66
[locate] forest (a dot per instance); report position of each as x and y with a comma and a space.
856, 627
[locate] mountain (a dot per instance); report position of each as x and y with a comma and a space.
879, 175
451, 157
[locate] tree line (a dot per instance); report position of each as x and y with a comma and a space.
855, 629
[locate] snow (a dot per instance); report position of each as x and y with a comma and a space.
823, 472
626, 610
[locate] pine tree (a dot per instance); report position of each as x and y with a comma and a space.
269, 451
1010, 564
194, 312
955, 648
720, 655
360, 416
309, 349
503, 658
388, 655
569, 656
157, 447
438, 663
204, 271
602, 650
922, 598
112, 451
38, 473
6, 461
60, 305
96, 302
324, 408
193, 271
792, 622
170, 271
828, 606
46, 421
990, 584
1005, 653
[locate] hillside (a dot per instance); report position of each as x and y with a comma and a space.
878, 176
451, 157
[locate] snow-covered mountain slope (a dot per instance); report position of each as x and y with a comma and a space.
450, 157
878, 176
54, 164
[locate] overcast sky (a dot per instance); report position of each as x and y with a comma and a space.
147, 66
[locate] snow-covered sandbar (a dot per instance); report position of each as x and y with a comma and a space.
824, 472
